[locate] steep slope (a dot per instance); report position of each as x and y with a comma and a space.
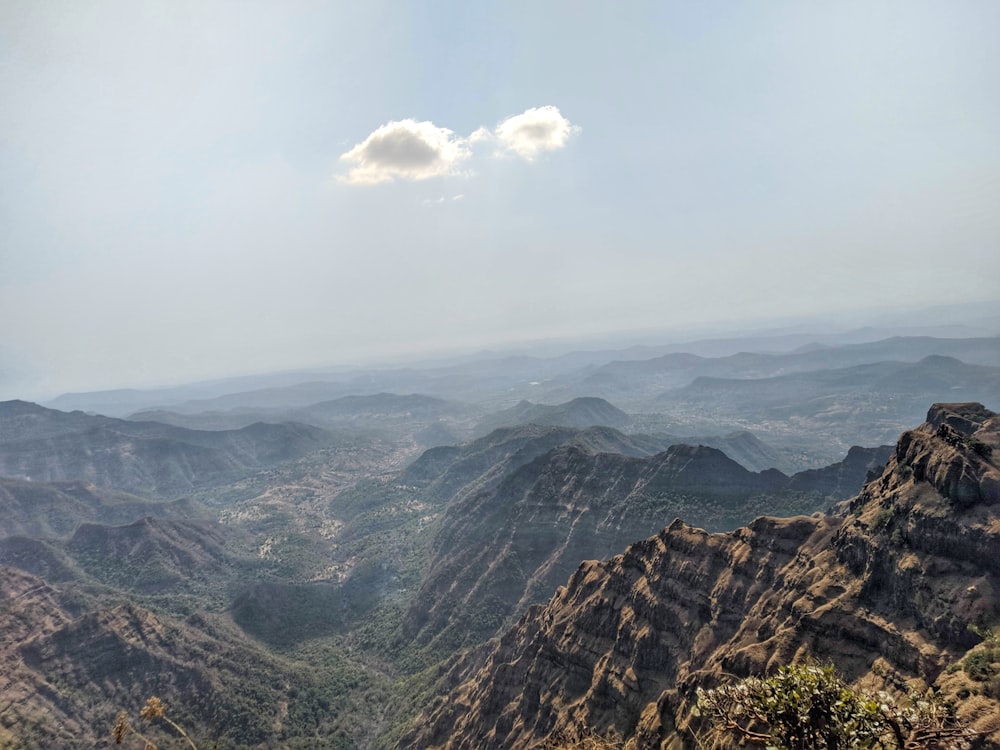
145, 457
507, 546
901, 592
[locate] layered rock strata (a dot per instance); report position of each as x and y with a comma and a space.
901, 591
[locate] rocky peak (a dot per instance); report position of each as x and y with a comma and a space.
966, 419
949, 453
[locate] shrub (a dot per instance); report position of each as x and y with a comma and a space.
882, 519
979, 447
807, 706
979, 666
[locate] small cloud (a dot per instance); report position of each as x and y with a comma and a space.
537, 129
405, 149
411, 150
458, 197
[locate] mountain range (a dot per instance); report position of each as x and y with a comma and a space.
47, 445
502, 551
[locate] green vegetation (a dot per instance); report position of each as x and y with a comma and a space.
983, 449
807, 707
979, 665
882, 519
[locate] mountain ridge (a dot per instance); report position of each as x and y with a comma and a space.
894, 583
505, 545
141, 457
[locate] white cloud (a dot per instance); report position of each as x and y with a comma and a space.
405, 149
537, 129
411, 150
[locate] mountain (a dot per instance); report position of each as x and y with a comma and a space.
145, 457
446, 471
290, 389
899, 591
743, 447
859, 404
508, 544
151, 556
677, 369
580, 412
51, 509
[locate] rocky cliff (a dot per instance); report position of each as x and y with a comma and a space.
506, 546
901, 590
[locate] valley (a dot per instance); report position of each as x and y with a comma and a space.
485, 553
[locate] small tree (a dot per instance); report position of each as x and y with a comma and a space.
808, 707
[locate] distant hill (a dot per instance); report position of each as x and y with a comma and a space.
863, 403
122, 401
145, 557
426, 419
812, 392
743, 447
144, 457
580, 412
53, 509
636, 382
150, 555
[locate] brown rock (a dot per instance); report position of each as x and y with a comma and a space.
894, 592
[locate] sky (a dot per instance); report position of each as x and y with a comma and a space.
199, 189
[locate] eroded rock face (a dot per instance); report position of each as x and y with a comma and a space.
893, 592
505, 548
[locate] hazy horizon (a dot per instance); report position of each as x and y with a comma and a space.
194, 190
981, 318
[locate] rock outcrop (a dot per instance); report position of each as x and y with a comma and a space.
900, 590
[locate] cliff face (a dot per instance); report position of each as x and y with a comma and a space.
896, 592
507, 547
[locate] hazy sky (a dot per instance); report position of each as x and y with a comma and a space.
194, 189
